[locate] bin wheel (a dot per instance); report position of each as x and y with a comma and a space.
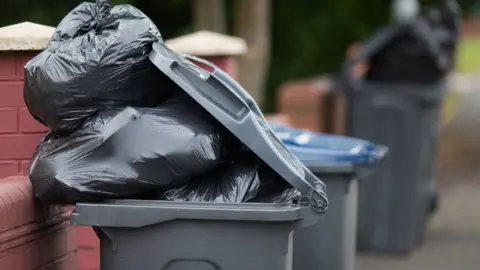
434, 204
432, 209
422, 233
421, 237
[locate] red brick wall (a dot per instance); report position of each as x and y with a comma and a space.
19, 136
312, 105
33, 236
19, 133
88, 249
471, 27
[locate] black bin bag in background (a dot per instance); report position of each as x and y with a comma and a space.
129, 153
97, 58
421, 51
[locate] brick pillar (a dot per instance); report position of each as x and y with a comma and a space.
19, 132
312, 104
306, 103
32, 236
216, 48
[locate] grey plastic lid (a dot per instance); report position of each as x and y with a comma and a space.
141, 213
234, 108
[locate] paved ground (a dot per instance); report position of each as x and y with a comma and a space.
453, 241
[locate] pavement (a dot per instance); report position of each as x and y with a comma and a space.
453, 238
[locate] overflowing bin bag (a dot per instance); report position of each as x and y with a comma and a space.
129, 153
273, 189
97, 58
233, 182
243, 179
420, 52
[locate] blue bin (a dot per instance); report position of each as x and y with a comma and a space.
339, 162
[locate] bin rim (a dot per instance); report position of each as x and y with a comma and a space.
142, 213
222, 97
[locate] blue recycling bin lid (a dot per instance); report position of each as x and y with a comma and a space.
320, 150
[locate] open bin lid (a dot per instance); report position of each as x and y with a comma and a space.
329, 152
234, 108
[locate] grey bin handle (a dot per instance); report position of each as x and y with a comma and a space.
234, 85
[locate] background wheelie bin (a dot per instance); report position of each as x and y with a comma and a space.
340, 162
152, 235
397, 103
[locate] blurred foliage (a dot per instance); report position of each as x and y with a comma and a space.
468, 58
171, 16
309, 37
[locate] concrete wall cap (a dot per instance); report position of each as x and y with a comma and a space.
207, 43
25, 36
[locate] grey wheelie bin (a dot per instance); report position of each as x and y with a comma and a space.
340, 162
397, 103
153, 235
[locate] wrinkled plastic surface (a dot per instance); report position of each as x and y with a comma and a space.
329, 149
233, 182
244, 179
96, 59
420, 52
273, 189
288, 195
129, 153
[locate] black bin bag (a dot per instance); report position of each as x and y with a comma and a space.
97, 58
273, 189
244, 179
420, 51
129, 153
233, 182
